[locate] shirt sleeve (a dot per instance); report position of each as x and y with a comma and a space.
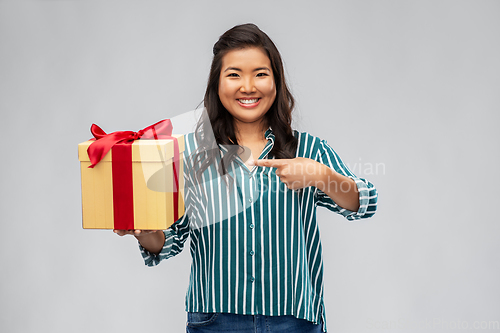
175, 237
367, 192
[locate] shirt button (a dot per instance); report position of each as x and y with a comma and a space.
249, 199
252, 253
252, 279
251, 226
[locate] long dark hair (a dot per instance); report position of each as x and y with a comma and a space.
278, 117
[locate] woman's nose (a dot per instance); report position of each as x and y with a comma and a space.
248, 86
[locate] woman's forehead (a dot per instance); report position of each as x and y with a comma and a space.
247, 57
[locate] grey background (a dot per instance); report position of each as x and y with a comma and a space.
410, 86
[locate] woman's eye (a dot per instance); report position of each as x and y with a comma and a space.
262, 74
232, 75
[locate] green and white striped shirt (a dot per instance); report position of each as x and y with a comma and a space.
255, 244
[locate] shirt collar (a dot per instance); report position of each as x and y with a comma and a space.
269, 134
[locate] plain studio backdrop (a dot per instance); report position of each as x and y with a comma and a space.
406, 92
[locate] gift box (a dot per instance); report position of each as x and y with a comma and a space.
132, 180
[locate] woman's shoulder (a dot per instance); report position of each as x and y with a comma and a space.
190, 143
304, 135
189, 137
193, 143
307, 138
308, 145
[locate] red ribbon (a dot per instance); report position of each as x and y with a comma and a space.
121, 144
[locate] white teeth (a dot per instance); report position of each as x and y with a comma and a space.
248, 101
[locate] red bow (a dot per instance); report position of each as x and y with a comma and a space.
104, 142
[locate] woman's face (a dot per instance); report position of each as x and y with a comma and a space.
246, 85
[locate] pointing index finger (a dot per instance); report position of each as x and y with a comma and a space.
270, 163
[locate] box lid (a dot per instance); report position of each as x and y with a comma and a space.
142, 150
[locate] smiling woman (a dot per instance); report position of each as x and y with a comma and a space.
245, 43
247, 91
255, 245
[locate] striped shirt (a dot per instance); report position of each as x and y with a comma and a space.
255, 244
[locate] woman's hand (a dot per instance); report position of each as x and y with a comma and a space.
300, 172
151, 240
297, 173
136, 232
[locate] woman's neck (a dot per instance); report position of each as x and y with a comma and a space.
250, 132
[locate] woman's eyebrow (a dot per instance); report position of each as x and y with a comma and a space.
262, 69
239, 69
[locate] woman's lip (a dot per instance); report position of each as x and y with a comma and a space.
248, 105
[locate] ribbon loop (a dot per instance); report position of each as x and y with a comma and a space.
104, 142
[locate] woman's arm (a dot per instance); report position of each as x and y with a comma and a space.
341, 189
302, 172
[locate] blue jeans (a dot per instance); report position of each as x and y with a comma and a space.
199, 322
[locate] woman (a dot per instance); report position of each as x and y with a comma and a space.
257, 259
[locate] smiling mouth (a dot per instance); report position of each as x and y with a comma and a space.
248, 101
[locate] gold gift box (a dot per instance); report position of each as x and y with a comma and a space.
153, 185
